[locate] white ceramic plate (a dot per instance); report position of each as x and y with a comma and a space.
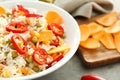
71, 29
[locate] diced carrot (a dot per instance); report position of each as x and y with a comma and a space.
24, 71
46, 35
113, 28
26, 54
108, 19
90, 43
32, 33
6, 32
53, 17
33, 46
1, 67
29, 38
27, 20
2, 10
85, 32
107, 41
94, 27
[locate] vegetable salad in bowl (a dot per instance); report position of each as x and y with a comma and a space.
30, 42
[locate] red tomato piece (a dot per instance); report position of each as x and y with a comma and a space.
17, 27
91, 77
19, 44
56, 28
40, 56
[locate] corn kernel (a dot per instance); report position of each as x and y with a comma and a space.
29, 72
37, 34
6, 73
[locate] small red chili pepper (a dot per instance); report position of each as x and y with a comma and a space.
91, 77
19, 44
55, 60
34, 15
40, 56
17, 27
55, 42
19, 10
56, 28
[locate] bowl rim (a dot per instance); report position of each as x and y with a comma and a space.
64, 60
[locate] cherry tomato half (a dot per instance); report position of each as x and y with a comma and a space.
19, 44
56, 28
40, 56
17, 27
91, 77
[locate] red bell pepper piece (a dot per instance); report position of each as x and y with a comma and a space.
56, 28
19, 44
34, 15
55, 60
17, 27
55, 42
40, 56
91, 77
19, 10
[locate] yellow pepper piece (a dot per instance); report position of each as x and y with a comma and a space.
46, 35
2, 10
59, 49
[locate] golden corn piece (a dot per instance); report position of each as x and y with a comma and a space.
19, 71
35, 33
6, 74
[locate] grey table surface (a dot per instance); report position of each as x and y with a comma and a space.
74, 69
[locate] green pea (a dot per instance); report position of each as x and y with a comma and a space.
3, 42
29, 59
11, 46
34, 63
8, 42
63, 36
36, 68
14, 54
38, 24
27, 64
6, 53
8, 14
34, 39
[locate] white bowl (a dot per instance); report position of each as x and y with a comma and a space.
71, 29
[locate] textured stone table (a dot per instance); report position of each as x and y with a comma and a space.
74, 69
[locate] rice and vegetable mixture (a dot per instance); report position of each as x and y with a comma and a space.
30, 42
